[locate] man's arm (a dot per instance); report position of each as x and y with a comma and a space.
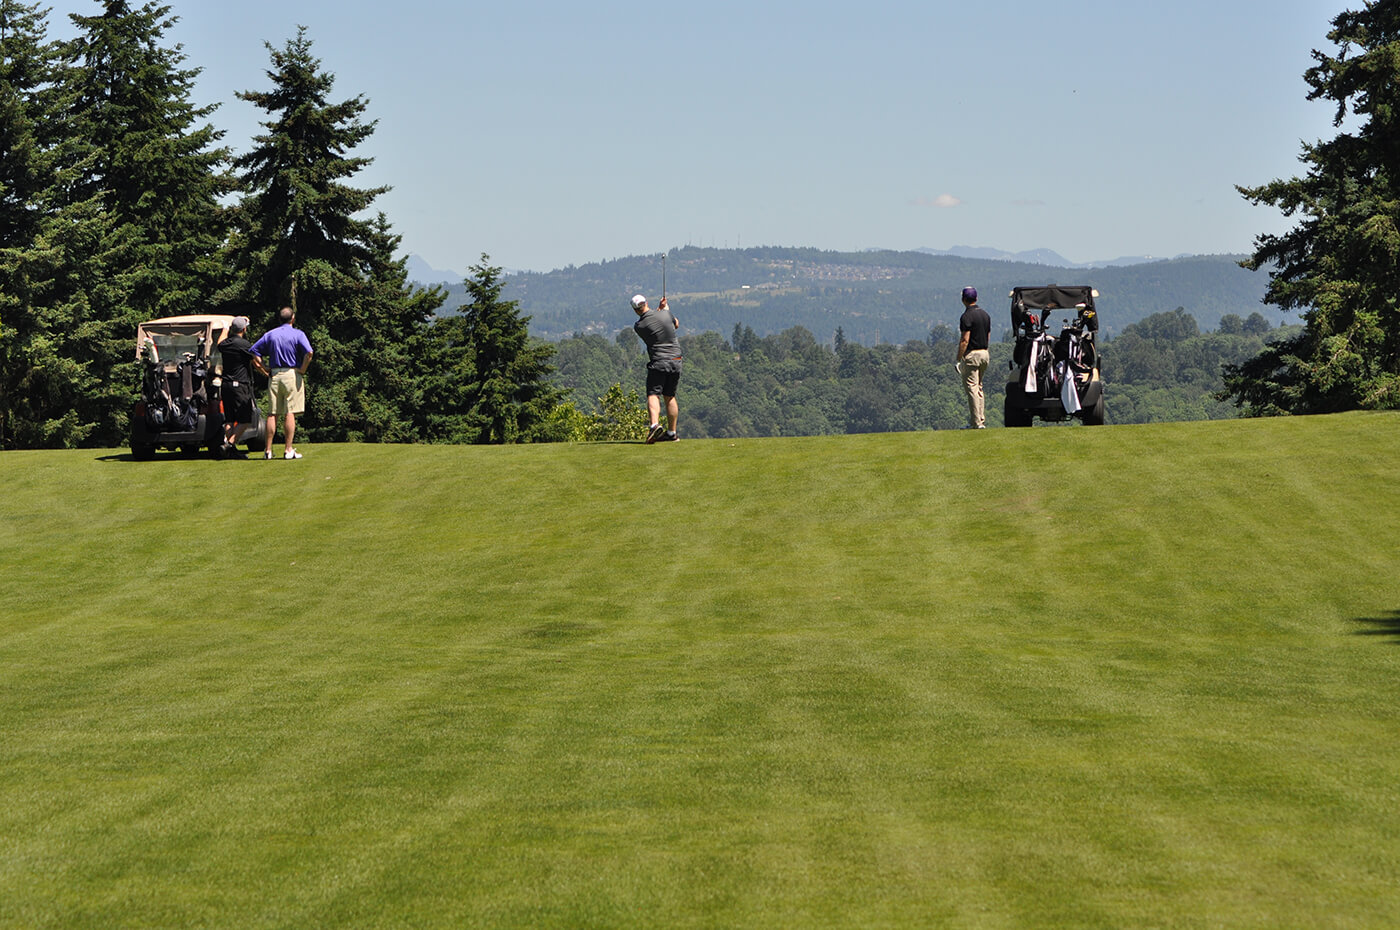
962, 344
305, 363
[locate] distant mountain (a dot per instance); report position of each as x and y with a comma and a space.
420, 272
872, 297
1040, 257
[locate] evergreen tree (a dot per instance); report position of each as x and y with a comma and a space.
27, 107
151, 157
26, 74
297, 238
300, 241
110, 214
1340, 265
495, 385
55, 256
375, 352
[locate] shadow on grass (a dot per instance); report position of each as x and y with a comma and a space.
162, 456
1387, 626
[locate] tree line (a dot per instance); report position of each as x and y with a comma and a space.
1162, 368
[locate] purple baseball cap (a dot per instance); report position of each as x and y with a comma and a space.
970, 293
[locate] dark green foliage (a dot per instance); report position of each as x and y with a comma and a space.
1163, 368
298, 241
1160, 369
371, 352
494, 384
149, 156
109, 214
33, 406
787, 384
1340, 265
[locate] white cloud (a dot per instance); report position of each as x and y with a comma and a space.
942, 202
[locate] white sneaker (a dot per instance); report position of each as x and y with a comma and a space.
291, 454
267, 455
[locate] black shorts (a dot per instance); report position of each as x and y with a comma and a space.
238, 403
663, 383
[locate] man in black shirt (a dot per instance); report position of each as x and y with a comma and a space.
237, 383
974, 355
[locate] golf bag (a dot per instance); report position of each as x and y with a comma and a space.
174, 400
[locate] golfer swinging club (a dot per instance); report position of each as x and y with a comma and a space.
658, 330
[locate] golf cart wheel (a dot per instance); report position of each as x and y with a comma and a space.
1015, 416
142, 451
1094, 416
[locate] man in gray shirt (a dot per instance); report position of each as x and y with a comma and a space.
658, 330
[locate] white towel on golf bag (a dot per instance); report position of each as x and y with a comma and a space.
1069, 392
1032, 384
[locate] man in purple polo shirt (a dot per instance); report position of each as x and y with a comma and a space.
289, 353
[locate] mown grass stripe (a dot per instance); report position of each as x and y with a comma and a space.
1137, 676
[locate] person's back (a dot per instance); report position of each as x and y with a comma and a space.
236, 383
657, 328
237, 359
977, 323
974, 342
284, 346
289, 354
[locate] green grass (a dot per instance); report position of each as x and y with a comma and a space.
1124, 677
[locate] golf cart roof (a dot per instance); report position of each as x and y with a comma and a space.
1054, 296
211, 328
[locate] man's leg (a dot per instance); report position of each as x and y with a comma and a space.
977, 363
673, 411
979, 410
289, 427
271, 429
653, 413
969, 374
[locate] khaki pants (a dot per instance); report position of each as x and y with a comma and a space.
972, 368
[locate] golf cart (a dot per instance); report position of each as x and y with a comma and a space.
181, 373
1057, 375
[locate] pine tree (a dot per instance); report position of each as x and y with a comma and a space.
373, 352
300, 241
1340, 265
110, 215
297, 240
153, 159
502, 393
50, 245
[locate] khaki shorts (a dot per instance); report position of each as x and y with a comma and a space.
287, 388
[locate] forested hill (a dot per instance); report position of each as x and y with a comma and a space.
874, 297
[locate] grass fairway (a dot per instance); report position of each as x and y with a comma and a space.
1141, 676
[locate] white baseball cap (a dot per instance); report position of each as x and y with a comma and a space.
638, 301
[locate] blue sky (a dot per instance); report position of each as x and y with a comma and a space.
547, 133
